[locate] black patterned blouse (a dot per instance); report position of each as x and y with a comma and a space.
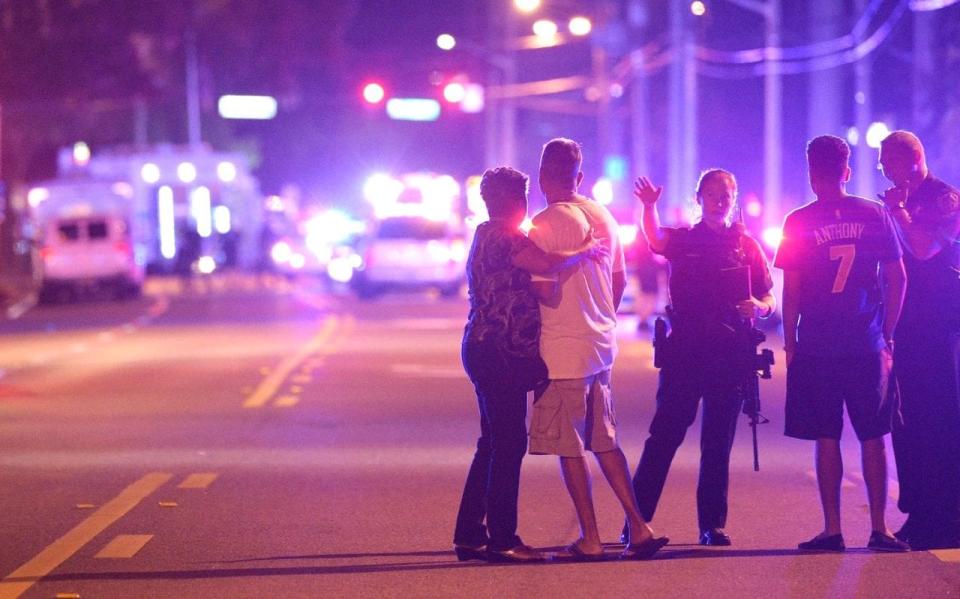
503, 309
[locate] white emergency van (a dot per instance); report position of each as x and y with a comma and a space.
86, 239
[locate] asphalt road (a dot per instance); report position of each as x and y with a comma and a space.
256, 438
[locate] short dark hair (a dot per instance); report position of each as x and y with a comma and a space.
561, 159
500, 187
827, 156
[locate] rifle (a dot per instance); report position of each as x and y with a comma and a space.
758, 367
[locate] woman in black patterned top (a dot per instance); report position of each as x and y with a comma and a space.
501, 356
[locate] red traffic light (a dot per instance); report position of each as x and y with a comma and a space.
373, 93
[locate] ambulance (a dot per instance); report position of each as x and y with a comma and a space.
110, 218
417, 235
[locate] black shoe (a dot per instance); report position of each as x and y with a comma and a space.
716, 537
625, 535
832, 543
469, 552
907, 530
883, 542
520, 554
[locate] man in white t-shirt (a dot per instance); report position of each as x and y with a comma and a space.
574, 413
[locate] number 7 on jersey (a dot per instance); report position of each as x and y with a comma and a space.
845, 254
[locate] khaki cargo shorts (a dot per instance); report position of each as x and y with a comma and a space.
573, 416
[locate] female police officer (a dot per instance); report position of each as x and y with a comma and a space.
712, 297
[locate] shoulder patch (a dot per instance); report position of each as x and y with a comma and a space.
949, 203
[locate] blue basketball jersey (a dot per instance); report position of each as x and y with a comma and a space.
838, 246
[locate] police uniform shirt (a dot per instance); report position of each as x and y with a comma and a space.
934, 285
702, 261
837, 246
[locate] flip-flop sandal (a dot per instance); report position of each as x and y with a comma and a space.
645, 549
573, 553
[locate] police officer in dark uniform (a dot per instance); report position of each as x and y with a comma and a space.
926, 441
712, 296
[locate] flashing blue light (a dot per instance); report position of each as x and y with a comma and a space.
615, 167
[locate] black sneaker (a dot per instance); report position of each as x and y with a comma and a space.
880, 541
832, 543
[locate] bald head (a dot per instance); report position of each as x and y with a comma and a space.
904, 143
903, 160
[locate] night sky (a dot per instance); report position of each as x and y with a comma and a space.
78, 69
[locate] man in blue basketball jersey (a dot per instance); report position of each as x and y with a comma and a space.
842, 293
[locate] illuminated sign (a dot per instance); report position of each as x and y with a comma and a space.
413, 109
260, 108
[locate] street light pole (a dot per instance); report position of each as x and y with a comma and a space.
864, 174
772, 118
501, 112
772, 105
682, 125
638, 115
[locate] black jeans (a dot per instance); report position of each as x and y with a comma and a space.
681, 387
493, 482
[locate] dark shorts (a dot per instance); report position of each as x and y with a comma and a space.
819, 386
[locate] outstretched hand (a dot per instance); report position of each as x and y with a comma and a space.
645, 191
596, 250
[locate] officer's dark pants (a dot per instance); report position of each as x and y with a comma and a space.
493, 482
681, 387
926, 442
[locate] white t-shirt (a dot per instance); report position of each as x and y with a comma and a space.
577, 338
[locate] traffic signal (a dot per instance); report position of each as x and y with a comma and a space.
373, 93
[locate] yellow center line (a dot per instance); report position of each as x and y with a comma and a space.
198, 480
947, 555
286, 401
262, 394
21, 579
123, 546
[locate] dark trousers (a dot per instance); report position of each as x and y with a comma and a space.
488, 508
681, 388
926, 438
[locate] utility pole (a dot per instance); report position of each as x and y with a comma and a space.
638, 115
501, 112
194, 137
864, 176
924, 35
772, 118
771, 12
601, 82
638, 96
825, 114
682, 125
